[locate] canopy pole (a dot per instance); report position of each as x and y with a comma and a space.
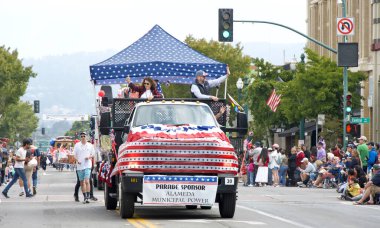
96, 111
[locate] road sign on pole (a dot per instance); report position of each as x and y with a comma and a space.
345, 26
360, 120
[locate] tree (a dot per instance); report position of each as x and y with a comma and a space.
19, 119
265, 79
78, 127
226, 53
317, 88
14, 78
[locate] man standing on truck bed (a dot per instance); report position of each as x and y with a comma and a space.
84, 152
201, 87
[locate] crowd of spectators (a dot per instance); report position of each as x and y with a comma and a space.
355, 173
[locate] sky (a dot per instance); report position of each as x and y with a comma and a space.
41, 29
38, 28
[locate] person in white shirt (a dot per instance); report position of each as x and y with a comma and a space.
305, 173
201, 87
84, 152
20, 159
274, 164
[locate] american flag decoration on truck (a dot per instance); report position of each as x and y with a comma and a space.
171, 149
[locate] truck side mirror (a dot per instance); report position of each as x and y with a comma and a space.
126, 129
242, 123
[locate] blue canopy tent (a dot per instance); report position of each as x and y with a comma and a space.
158, 55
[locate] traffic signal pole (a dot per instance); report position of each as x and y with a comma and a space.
345, 87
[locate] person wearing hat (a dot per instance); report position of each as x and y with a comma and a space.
84, 152
363, 152
202, 87
372, 156
372, 187
305, 173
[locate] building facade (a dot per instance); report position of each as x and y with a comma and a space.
322, 26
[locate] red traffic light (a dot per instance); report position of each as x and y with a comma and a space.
348, 128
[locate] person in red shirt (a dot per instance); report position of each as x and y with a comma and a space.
147, 90
337, 151
300, 155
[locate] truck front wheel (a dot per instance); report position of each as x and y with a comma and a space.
110, 203
127, 205
227, 204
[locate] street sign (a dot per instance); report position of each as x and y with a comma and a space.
65, 117
360, 120
345, 26
321, 119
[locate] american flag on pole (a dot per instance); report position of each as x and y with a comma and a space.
274, 100
171, 149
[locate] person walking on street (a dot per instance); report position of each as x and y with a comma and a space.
37, 156
20, 159
84, 152
363, 152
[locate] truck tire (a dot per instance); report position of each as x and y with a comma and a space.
191, 207
206, 207
227, 204
110, 203
127, 205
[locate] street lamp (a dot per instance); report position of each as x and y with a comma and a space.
239, 85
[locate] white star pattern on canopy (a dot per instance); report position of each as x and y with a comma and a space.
158, 55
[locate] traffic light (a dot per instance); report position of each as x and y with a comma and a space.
43, 131
348, 104
226, 25
353, 129
348, 128
36, 106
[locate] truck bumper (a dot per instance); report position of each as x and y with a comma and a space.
225, 185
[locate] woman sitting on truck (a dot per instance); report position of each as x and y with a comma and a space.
146, 90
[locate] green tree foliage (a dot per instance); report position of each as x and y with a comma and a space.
317, 88
222, 52
266, 78
14, 78
19, 119
78, 127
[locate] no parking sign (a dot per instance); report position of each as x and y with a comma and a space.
345, 26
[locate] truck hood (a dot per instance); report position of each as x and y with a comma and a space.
172, 149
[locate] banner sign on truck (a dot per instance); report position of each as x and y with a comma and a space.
179, 190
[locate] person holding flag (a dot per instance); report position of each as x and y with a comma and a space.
201, 87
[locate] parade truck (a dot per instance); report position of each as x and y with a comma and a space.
170, 152
165, 151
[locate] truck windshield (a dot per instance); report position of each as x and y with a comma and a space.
172, 114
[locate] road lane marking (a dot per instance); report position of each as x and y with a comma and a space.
274, 217
138, 222
135, 223
217, 220
145, 222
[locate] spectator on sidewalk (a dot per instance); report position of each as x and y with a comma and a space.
306, 172
372, 187
363, 152
372, 156
321, 153
283, 167
292, 165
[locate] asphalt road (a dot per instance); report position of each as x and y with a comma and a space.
54, 206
